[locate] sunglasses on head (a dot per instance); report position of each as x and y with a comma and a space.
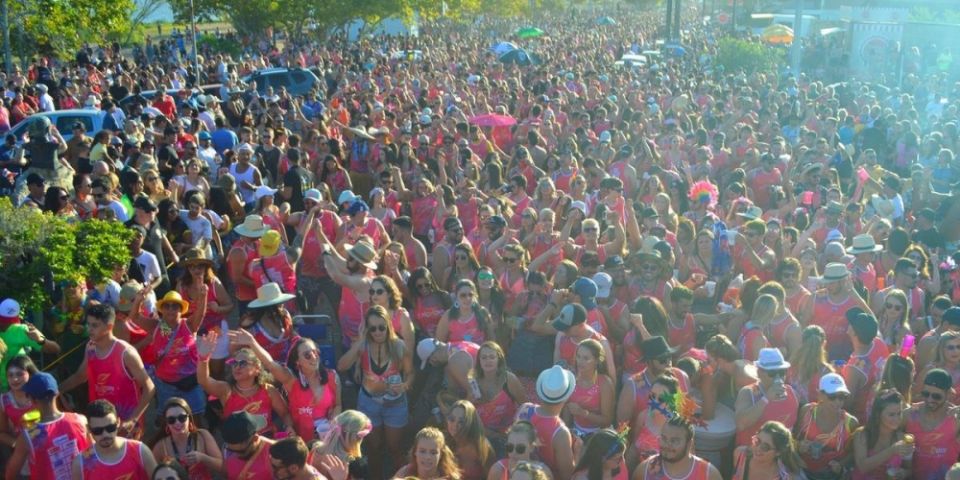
519, 449
173, 419
97, 431
931, 395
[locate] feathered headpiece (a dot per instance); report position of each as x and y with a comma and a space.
704, 192
677, 404
623, 439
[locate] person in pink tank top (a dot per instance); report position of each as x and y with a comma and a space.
935, 427
830, 306
676, 460
246, 454
113, 371
602, 457
51, 444
520, 448
354, 273
14, 403
592, 404
111, 456
772, 455
770, 399
554, 387
879, 448
244, 251
498, 391
466, 320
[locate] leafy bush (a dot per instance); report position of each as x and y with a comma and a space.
38, 251
736, 54
219, 45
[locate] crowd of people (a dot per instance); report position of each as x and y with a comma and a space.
444, 265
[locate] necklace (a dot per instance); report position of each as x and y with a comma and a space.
244, 390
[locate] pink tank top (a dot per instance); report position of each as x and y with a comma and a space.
351, 312
700, 470
781, 410
465, 330
587, 398
311, 260
776, 332
306, 409
683, 337
830, 316
833, 443
423, 209
14, 412
937, 449
254, 468
871, 366
498, 413
129, 467
276, 269
108, 379
257, 405
427, 314
53, 446
181, 358
547, 429
568, 346
246, 293
511, 289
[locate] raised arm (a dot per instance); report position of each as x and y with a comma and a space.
243, 338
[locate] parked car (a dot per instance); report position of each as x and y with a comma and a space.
297, 81
211, 89
64, 120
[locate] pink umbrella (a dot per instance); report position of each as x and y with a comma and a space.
493, 120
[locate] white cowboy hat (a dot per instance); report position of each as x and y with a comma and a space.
771, 359
252, 227
270, 294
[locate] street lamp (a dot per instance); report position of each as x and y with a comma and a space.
193, 36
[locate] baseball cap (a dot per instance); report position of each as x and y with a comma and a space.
425, 349
570, 315
937, 377
587, 290
865, 326
604, 284
9, 312
205, 135
832, 383
35, 179
357, 206
41, 386
313, 194
346, 196
239, 427
497, 220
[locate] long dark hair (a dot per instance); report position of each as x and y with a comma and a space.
600, 446
481, 314
22, 362
885, 397
292, 363
654, 316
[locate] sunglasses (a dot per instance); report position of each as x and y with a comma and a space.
182, 418
763, 447
377, 328
239, 363
511, 259
590, 229
649, 267
519, 449
837, 396
931, 395
376, 291
423, 286
951, 348
97, 431
893, 306
775, 373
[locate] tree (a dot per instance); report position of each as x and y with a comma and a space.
40, 251
735, 54
60, 27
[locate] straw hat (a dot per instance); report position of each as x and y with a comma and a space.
252, 227
364, 253
195, 256
270, 294
864, 243
834, 272
174, 297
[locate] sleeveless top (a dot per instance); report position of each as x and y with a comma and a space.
684, 337
274, 268
427, 314
867, 275
465, 330
740, 464
245, 293
796, 301
350, 313
567, 345
647, 441
257, 405
245, 193
108, 379
211, 319
597, 321
53, 446
371, 227
587, 398
497, 413
833, 442
254, 468
700, 470
311, 259
511, 290
129, 467
776, 332
547, 429
781, 410
422, 213
831, 317
181, 358
368, 369
14, 412
278, 348
306, 409
871, 366
750, 337
937, 449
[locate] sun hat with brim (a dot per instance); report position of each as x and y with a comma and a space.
832, 383
656, 347
360, 133
811, 168
751, 213
864, 243
834, 272
270, 294
346, 196
252, 227
195, 256
173, 297
555, 385
771, 359
364, 253
269, 244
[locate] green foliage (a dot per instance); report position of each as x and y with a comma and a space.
38, 250
736, 54
60, 27
219, 45
925, 14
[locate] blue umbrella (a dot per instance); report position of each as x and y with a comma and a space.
520, 57
675, 49
503, 47
606, 21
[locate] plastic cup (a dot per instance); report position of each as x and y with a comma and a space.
711, 287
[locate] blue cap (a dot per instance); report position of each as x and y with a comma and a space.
952, 316
205, 135
587, 289
357, 206
41, 386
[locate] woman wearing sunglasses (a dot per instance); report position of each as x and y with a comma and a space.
947, 358
894, 319
464, 267
466, 320
521, 443
824, 430
247, 387
428, 301
385, 293
386, 373
193, 448
772, 456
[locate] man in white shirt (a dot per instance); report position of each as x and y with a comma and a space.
208, 155
46, 101
200, 226
149, 265
102, 195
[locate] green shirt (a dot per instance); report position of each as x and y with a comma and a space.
15, 336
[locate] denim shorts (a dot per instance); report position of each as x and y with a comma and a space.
390, 413
196, 397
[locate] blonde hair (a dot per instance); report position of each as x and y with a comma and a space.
346, 429
447, 465
393, 342
764, 309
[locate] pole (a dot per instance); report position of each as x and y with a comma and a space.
797, 37
676, 20
7, 48
669, 20
734, 15
193, 35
